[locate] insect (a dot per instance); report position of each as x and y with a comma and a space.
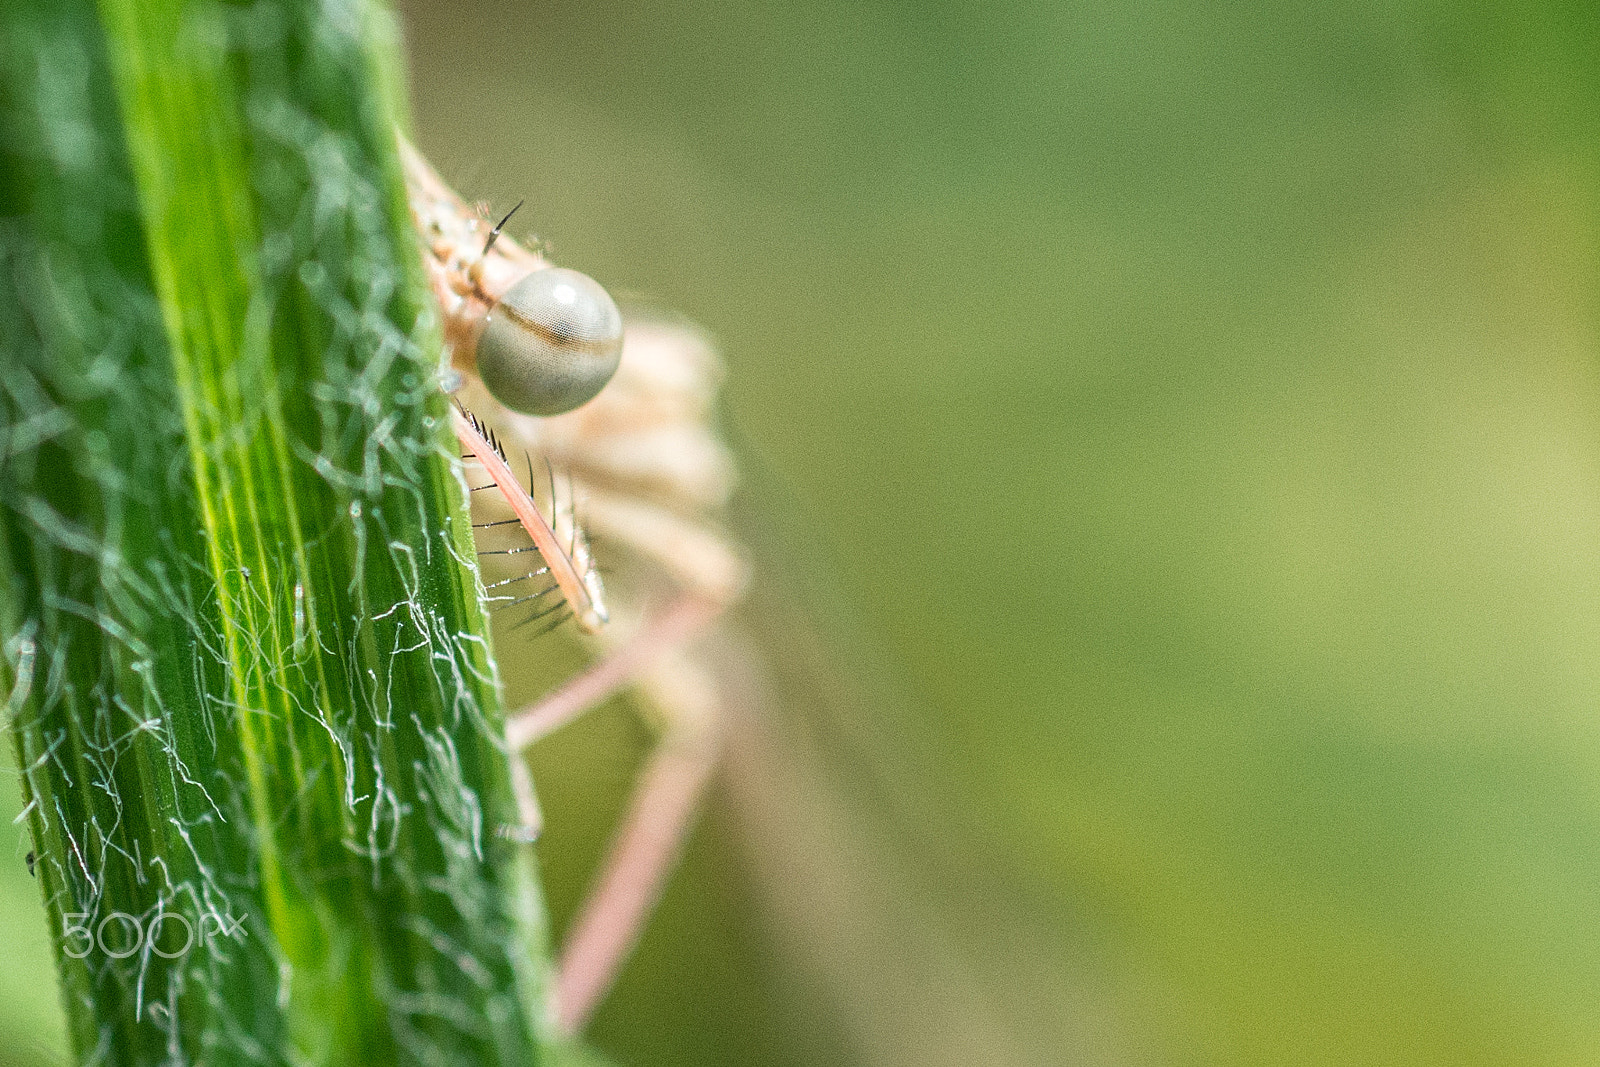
31, 860
552, 342
528, 346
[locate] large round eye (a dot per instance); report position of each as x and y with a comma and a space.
551, 343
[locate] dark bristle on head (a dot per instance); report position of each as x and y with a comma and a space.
494, 234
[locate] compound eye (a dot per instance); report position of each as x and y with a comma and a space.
551, 343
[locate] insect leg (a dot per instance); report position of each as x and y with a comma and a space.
668, 630
649, 839
660, 811
529, 814
563, 569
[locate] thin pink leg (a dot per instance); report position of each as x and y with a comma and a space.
531, 818
660, 814
668, 630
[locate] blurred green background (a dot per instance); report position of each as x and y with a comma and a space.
1198, 408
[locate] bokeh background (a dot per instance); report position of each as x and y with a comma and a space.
1183, 422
